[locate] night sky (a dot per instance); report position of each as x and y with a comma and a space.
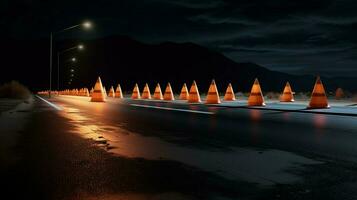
298, 37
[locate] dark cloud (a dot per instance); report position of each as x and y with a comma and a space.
305, 36
298, 37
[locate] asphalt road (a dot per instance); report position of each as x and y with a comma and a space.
75, 149
211, 126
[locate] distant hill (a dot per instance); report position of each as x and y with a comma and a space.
120, 59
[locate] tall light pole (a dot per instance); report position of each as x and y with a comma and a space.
51, 38
86, 25
79, 47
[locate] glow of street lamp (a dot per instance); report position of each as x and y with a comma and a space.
80, 47
87, 25
73, 59
72, 70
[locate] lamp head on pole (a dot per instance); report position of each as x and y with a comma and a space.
87, 24
80, 47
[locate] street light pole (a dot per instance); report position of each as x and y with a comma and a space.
51, 38
58, 70
79, 47
85, 25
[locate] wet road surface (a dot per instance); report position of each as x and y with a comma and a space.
146, 150
257, 146
210, 127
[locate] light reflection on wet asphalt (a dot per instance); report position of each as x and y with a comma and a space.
235, 143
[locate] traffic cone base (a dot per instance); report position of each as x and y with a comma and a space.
98, 93
318, 96
256, 96
212, 94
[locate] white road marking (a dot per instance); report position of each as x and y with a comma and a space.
173, 109
49, 103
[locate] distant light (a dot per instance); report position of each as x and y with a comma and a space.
87, 25
72, 70
70, 80
80, 47
72, 75
74, 59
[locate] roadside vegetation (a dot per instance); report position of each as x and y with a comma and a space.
14, 90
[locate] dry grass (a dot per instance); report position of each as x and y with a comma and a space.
14, 90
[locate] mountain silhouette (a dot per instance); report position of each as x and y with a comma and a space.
121, 59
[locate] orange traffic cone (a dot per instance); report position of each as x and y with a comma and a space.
184, 92
212, 94
339, 94
169, 95
229, 96
86, 92
318, 96
194, 95
98, 93
158, 93
288, 95
136, 92
111, 92
256, 96
118, 92
146, 92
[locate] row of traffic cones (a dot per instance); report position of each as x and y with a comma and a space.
318, 99
168, 95
98, 94
74, 92
318, 96
193, 95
